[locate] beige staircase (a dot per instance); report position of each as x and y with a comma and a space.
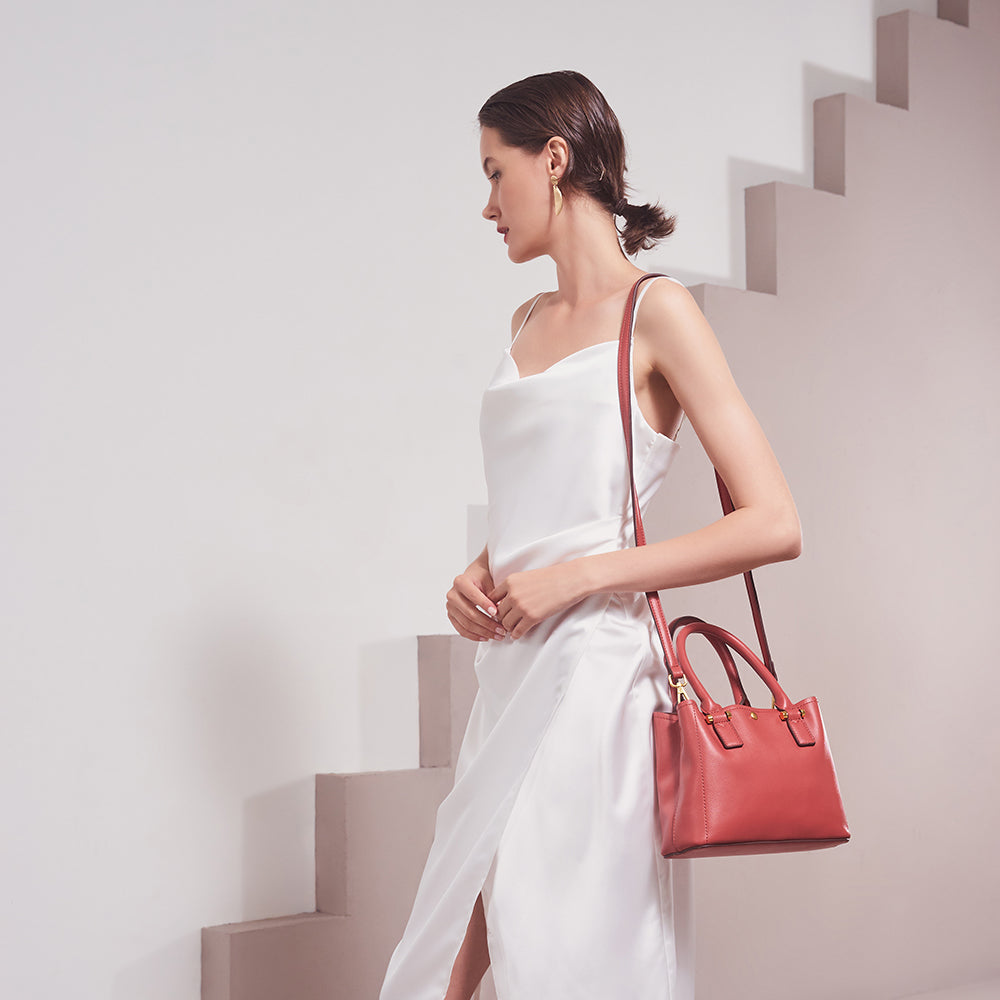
373, 832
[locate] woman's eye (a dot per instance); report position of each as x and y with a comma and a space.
496, 173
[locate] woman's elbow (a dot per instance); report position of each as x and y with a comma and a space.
782, 535
787, 536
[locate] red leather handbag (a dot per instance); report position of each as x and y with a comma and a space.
734, 779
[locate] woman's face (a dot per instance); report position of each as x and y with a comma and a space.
521, 199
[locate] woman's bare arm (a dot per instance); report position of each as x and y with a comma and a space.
764, 527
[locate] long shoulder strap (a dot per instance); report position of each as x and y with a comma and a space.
625, 403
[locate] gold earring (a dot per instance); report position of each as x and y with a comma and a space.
556, 194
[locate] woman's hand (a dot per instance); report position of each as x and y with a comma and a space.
469, 590
524, 599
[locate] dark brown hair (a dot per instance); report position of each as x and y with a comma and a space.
565, 103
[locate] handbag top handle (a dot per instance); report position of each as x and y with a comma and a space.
625, 404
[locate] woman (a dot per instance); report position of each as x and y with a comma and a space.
549, 837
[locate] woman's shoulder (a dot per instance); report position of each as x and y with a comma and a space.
671, 329
666, 300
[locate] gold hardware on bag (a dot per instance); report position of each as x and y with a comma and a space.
753, 715
729, 715
802, 712
679, 685
783, 716
710, 719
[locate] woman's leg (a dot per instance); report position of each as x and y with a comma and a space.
473, 957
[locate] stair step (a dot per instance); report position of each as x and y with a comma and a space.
373, 832
988, 990
297, 957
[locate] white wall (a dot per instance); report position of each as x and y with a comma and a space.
249, 306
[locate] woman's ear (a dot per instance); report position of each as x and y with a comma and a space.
557, 150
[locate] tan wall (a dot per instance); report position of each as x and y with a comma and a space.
873, 370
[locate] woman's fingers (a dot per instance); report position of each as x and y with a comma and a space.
509, 613
515, 621
474, 596
474, 587
528, 597
473, 631
474, 626
468, 609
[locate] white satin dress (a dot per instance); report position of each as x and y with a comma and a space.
552, 815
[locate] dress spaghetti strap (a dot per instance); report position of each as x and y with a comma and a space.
642, 291
526, 315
